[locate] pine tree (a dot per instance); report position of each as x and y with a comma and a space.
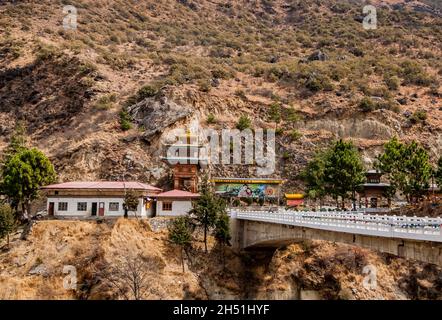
130, 202
180, 234
207, 208
7, 222
222, 233
314, 175
344, 171
418, 171
407, 167
390, 164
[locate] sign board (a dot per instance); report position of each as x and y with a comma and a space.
247, 190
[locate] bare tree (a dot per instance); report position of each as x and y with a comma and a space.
132, 276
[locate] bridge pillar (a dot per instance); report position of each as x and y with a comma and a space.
237, 233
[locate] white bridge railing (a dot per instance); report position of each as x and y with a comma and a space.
416, 228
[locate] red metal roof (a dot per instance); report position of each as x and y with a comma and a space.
177, 194
103, 185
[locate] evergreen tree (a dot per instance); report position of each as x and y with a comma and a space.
180, 234
23, 174
418, 171
7, 222
407, 167
207, 208
390, 164
344, 171
313, 175
130, 202
222, 233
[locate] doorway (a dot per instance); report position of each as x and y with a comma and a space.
94, 209
101, 209
51, 209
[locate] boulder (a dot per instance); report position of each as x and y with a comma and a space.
39, 269
318, 56
156, 114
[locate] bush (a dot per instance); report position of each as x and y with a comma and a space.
295, 135
367, 104
413, 73
211, 118
279, 131
243, 123
146, 91
292, 116
275, 112
204, 86
125, 120
106, 102
392, 82
419, 116
316, 83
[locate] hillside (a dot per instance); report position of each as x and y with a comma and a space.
310, 59
33, 268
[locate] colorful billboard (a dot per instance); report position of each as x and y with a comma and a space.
247, 190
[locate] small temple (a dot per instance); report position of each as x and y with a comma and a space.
373, 193
186, 157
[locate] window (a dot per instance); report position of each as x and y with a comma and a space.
167, 206
81, 206
62, 206
114, 206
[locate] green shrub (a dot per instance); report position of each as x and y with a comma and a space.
211, 118
419, 116
45, 52
295, 135
106, 102
146, 91
275, 112
204, 86
319, 83
292, 116
279, 131
244, 123
392, 82
125, 120
413, 73
367, 104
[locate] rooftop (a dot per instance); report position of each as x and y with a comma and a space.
178, 194
96, 185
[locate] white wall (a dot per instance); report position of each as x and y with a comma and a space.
179, 208
73, 212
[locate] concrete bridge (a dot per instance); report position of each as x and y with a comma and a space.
408, 237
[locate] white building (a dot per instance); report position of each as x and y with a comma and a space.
98, 199
175, 203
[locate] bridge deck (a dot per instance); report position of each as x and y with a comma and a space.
401, 227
